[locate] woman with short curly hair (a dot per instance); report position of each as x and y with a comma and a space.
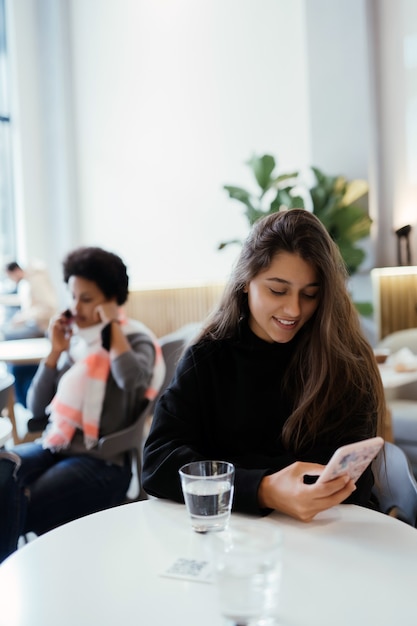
101, 371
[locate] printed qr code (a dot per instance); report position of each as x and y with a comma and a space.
187, 567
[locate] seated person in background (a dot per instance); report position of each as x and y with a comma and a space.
9, 300
280, 377
100, 373
37, 300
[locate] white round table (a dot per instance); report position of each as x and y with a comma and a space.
349, 566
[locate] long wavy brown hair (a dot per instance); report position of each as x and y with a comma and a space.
333, 371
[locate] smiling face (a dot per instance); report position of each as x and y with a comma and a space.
85, 298
282, 298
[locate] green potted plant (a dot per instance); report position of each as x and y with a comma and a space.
334, 199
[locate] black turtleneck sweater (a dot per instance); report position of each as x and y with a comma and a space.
226, 402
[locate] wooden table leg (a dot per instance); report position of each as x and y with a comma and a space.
12, 417
388, 434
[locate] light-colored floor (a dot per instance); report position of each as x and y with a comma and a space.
21, 416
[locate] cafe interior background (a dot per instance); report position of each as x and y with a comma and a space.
122, 120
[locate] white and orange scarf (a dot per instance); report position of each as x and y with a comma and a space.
78, 401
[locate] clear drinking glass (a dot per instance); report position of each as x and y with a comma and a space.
248, 565
208, 493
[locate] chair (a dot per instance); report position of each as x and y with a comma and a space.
400, 339
7, 401
130, 439
395, 486
173, 346
403, 401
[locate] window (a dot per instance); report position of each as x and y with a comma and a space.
7, 221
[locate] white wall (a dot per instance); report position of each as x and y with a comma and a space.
45, 181
396, 67
171, 98
339, 86
136, 113
341, 95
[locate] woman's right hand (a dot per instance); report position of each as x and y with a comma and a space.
59, 333
286, 491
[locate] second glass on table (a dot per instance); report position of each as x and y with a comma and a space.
208, 493
248, 564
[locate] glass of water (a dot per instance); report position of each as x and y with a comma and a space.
208, 493
248, 564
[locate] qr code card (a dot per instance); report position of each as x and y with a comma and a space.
190, 569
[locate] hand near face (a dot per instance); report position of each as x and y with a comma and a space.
107, 311
60, 332
118, 344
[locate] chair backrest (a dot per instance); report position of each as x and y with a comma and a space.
130, 439
173, 345
395, 486
400, 339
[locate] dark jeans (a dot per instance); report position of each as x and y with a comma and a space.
50, 489
23, 375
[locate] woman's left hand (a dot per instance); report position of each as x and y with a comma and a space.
107, 311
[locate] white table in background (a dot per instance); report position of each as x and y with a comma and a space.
349, 566
22, 352
391, 379
6, 430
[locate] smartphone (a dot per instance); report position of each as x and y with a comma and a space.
68, 321
352, 459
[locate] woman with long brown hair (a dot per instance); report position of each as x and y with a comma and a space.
279, 377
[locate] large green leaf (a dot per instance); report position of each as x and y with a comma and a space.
364, 308
354, 190
262, 168
361, 227
325, 182
276, 182
223, 244
282, 199
253, 215
297, 202
333, 199
238, 193
351, 255
326, 213
319, 197
351, 223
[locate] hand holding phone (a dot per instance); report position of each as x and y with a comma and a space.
68, 321
352, 459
